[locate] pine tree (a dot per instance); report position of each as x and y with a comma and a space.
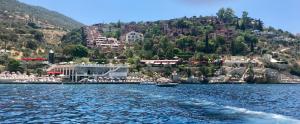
243, 26
260, 25
206, 43
237, 26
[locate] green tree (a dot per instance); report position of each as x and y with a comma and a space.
33, 25
165, 48
206, 41
118, 34
260, 25
129, 53
207, 71
227, 15
295, 70
245, 21
74, 36
147, 44
119, 24
167, 71
3, 59
39, 36
245, 17
243, 26
221, 13
237, 25
156, 57
251, 40
76, 51
183, 24
186, 43
238, 46
220, 40
31, 45
135, 63
14, 66
176, 51
39, 72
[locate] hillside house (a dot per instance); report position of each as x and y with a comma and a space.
92, 34
134, 36
109, 45
241, 61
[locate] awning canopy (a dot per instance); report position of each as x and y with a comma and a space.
34, 59
54, 72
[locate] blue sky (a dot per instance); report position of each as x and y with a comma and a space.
277, 13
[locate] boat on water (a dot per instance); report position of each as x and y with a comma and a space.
147, 83
165, 82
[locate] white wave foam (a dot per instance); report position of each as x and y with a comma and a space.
155, 96
201, 102
263, 117
253, 117
161, 97
135, 91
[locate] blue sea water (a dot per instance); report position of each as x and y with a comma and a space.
214, 104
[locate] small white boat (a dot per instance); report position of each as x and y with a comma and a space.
147, 83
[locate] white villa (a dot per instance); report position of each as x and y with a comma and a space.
134, 36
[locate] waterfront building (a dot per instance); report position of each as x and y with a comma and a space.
159, 62
235, 61
158, 65
134, 36
77, 72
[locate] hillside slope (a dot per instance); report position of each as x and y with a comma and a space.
37, 14
30, 30
196, 41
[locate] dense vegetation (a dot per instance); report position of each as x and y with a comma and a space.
18, 35
199, 39
189, 36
